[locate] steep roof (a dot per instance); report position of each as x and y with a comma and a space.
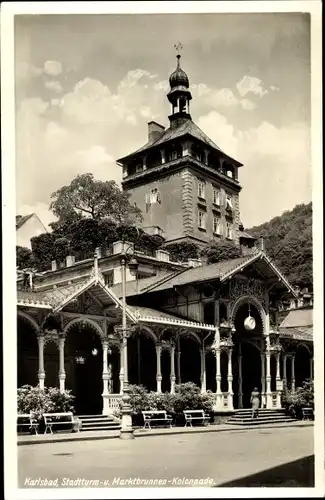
170, 134
21, 219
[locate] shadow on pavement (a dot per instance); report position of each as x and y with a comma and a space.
299, 473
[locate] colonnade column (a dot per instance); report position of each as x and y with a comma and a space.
105, 377
268, 380
121, 375
284, 378
278, 379
61, 366
240, 378
293, 381
203, 371
263, 395
178, 363
158, 373
218, 377
41, 371
229, 380
172, 369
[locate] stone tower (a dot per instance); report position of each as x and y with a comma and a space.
186, 187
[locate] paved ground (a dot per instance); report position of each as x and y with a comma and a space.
218, 458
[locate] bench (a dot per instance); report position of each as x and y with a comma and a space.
28, 422
156, 417
58, 419
307, 413
195, 415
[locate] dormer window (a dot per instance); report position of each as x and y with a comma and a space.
201, 189
230, 173
173, 155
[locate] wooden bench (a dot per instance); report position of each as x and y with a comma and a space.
195, 415
58, 420
307, 413
156, 417
28, 422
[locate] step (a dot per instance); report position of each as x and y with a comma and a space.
98, 424
236, 417
262, 422
98, 419
113, 427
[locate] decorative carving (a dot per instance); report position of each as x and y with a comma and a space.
51, 336
251, 287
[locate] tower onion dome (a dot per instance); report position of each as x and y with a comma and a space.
178, 78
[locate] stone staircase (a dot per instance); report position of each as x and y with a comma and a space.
243, 417
99, 423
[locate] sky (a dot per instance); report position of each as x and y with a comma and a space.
87, 85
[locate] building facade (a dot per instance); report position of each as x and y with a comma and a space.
216, 325
181, 180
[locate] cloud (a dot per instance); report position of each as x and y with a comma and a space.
276, 172
251, 84
52, 68
274, 88
26, 71
247, 105
54, 86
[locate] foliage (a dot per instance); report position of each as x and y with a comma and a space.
87, 197
61, 248
218, 251
187, 397
24, 257
183, 251
302, 397
38, 401
43, 250
288, 240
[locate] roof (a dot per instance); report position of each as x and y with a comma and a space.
21, 219
224, 270
148, 315
188, 127
298, 318
243, 234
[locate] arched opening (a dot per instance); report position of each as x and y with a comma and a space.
190, 361
173, 152
302, 365
198, 153
224, 371
142, 361
246, 355
153, 159
213, 161
84, 366
165, 370
210, 366
27, 353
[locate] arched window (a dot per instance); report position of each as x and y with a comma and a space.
213, 160
154, 159
198, 153
173, 152
228, 170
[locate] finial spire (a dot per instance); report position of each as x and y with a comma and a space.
178, 46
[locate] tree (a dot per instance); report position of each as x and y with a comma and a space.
85, 197
221, 250
288, 241
43, 250
183, 251
24, 257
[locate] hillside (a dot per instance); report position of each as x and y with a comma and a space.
288, 240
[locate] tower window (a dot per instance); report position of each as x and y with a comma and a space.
201, 189
216, 225
216, 196
229, 202
229, 232
201, 219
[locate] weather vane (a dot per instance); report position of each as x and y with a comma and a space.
178, 46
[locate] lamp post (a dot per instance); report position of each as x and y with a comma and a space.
126, 428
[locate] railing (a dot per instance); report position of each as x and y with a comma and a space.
114, 401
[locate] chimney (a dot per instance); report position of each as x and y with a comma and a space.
154, 131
